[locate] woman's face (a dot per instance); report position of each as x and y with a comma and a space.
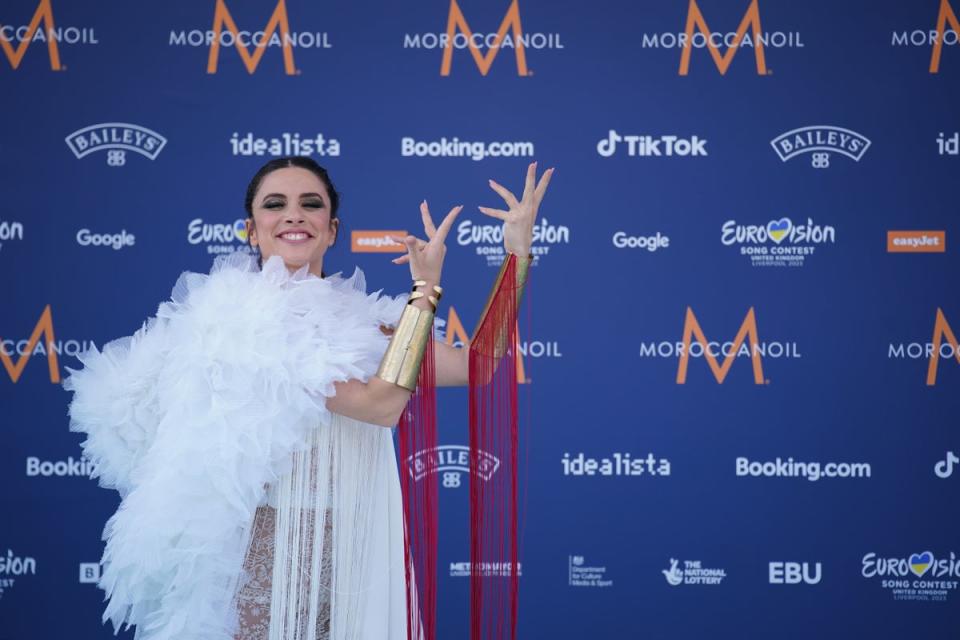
291, 218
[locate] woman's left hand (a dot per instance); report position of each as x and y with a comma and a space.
519, 219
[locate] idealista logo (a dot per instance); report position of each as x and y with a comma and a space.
943, 345
583, 575
746, 344
13, 568
621, 240
935, 38
933, 583
697, 35
693, 573
457, 335
618, 464
820, 141
487, 239
916, 241
647, 146
10, 231
949, 146
288, 144
779, 243
52, 36
483, 46
452, 460
812, 471
225, 33
219, 237
116, 138
794, 573
50, 348
376, 242
944, 468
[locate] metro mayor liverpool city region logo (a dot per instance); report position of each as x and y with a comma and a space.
483, 46
945, 32
451, 461
16, 37
116, 139
697, 35
251, 44
922, 577
820, 141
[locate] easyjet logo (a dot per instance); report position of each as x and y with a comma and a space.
934, 38
943, 344
916, 241
456, 333
50, 34
376, 242
483, 46
251, 45
22, 351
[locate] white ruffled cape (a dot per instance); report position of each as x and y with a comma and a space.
214, 412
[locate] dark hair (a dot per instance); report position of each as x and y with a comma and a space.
302, 162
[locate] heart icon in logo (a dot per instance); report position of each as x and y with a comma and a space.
779, 229
920, 563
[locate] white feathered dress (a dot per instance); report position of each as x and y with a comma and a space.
248, 509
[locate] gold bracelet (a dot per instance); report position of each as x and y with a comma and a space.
404, 355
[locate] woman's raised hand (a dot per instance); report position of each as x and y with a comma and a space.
426, 257
521, 215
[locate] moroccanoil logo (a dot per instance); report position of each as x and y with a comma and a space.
746, 344
697, 35
51, 35
15, 354
935, 38
225, 33
483, 46
942, 345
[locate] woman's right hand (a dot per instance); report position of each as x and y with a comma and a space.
426, 257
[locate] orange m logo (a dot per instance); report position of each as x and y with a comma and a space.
457, 21
456, 332
692, 328
44, 326
45, 13
279, 20
695, 20
940, 330
946, 14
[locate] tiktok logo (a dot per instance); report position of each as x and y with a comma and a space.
944, 468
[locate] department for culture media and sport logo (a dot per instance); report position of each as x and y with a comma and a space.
934, 38
778, 243
919, 577
580, 574
692, 573
225, 33
651, 146
820, 141
452, 461
13, 569
50, 35
697, 35
116, 138
483, 46
943, 345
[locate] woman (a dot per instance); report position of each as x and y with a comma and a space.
243, 428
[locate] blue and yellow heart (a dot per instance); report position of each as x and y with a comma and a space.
920, 563
779, 229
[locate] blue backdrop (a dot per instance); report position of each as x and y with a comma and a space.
767, 179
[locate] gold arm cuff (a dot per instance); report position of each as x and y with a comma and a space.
401, 362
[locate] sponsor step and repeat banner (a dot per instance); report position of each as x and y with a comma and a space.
740, 365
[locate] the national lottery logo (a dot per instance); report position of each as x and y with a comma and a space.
698, 35
483, 46
16, 353
944, 468
943, 345
779, 242
451, 461
487, 239
50, 37
14, 568
692, 572
651, 146
284, 144
616, 464
949, 146
581, 574
945, 32
919, 576
116, 139
820, 142
9, 231
219, 237
251, 45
